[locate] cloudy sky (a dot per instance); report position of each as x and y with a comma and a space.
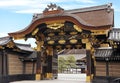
17, 14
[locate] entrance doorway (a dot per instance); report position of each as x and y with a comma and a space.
72, 64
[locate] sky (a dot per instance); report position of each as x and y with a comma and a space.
17, 14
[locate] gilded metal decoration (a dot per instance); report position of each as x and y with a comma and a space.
73, 33
77, 28
62, 33
35, 31
73, 41
55, 25
51, 34
68, 46
78, 46
51, 42
61, 41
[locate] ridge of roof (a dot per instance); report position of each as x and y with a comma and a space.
84, 9
92, 8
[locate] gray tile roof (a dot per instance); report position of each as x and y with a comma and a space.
4, 40
30, 57
25, 47
104, 53
33, 55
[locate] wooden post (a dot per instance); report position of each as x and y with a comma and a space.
33, 67
24, 67
1, 63
49, 74
5, 66
88, 57
38, 63
49, 66
38, 67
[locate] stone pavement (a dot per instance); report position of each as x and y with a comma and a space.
76, 77
62, 78
50, 81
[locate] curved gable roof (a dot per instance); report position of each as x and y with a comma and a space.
90, 18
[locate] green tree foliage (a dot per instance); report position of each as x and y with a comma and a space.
71, 61
64, 63
61, 64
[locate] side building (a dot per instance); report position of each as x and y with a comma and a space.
17, 61
108, 60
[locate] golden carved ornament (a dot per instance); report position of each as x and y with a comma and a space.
51, 42
35, 31
55, 26
73, 41
77, 28
73, 33
51, 34
61, 41
78, 46
62, 33
68, 46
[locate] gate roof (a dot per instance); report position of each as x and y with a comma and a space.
89, 18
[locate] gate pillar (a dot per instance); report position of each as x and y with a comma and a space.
38, 64
49, 74
88, 58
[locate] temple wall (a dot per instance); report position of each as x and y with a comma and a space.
15, 66
100, 69
114, 69
29, 68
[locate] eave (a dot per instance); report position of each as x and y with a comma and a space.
32, 26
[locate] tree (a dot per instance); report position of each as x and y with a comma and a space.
71, 61
66, 63
61, 64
